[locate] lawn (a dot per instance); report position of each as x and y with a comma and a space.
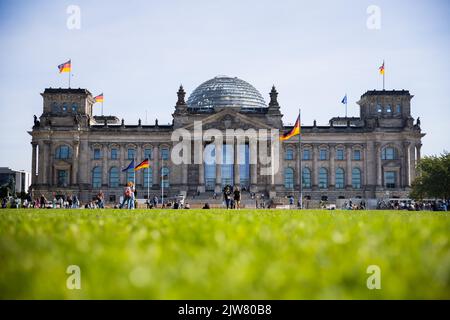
219, 254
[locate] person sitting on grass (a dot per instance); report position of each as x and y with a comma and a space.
206, 206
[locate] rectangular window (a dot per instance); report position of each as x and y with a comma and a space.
389, 179
97, 154
131, 154
357, 155
323, 154
306, 154
114, 154
165, 154
148, 154
62, 178
340, 154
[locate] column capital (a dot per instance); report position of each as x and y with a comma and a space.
406, 143
34, 144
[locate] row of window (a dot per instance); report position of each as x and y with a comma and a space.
65, 152
323, 154
131, 154
114, 177
64, 107
323, 178
390, 178
388, 109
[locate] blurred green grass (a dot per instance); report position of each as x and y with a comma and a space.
219, 254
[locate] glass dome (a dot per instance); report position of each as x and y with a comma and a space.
224, 91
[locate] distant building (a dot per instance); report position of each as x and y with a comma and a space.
370, 156
21, 180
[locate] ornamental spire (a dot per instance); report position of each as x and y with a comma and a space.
273, 97
181, 94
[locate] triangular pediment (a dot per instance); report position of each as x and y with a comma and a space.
230, 119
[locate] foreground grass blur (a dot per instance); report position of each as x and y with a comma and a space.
218, 254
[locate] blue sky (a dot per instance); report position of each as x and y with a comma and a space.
139, 52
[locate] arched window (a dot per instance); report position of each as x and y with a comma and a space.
340, 178
289, 178
356, 178
63, 152
165, 177
323, 178
148, 177
114, 177
389, 109
306, 178
289, 155
389, 153
74, 108
64, 107
97, 177
130, 175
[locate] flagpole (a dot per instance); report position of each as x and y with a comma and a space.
69, 75
346, 100
102, 108
162, 181
148, 185
384, 72
300, 157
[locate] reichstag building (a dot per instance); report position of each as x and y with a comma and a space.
370, 156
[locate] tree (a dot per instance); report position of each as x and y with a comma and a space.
434, 178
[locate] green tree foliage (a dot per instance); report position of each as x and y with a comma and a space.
434, 178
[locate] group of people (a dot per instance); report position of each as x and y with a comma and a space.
232, 198
411, 205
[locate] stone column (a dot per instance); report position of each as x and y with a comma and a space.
412, 153
122, 161
105, 166
419, 147
46, 163
139, 174
406, 164
253, 149
315, 170
40, 177
236, 160
76, 152
33, 163
378, 162
156, 170
219, 161
348, 162
332, 166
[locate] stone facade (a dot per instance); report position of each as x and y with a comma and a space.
371, 156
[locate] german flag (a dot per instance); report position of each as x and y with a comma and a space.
381, 68
65, 67
99, 98
296, 130
142, 165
